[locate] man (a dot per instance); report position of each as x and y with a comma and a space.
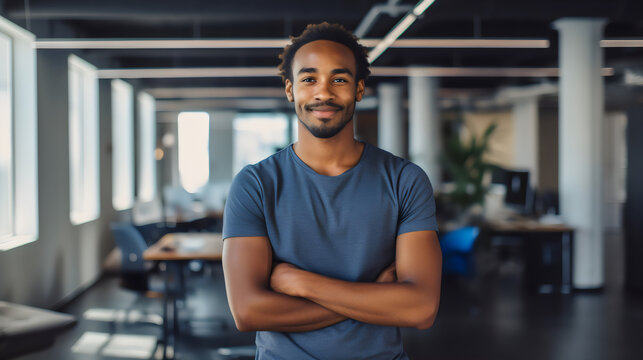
330, 244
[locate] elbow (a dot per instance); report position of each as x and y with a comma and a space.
243, 321
240, 320
426, 317
242, 325
243, 317
425, 323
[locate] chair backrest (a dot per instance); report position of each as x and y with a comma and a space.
460, 240
132, 245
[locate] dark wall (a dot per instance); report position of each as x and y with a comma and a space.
634, 202
366, 126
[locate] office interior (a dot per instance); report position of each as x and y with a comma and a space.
527, 117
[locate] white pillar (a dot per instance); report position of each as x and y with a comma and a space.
221, 146
525, 121
424, 126
580, 144
390, 119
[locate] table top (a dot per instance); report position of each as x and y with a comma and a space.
526, 226
186, 246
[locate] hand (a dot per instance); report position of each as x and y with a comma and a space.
285, 279
388, 275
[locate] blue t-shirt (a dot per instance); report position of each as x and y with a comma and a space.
344, 227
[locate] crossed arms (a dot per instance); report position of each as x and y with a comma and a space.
288, 299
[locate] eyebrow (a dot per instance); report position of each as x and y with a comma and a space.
342, 71
334, 71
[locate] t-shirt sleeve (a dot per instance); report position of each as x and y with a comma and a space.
243, 214
417, 204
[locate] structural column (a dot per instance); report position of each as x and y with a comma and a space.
221, 146
390, 119
424, 126
525, 121
580, 144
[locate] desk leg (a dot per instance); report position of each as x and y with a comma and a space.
173, 271
175, 316
566, 287
166, 300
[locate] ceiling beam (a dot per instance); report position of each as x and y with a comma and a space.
114, 44
238, 72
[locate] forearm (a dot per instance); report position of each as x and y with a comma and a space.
247, 264
270, 311
401, 304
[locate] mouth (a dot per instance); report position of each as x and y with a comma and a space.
325, 111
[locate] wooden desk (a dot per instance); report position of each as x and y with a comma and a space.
527, 226
548, 252
175, 250
186, 246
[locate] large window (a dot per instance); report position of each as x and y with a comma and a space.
122, 145
18, 149
194, 158
146, 147
6, 143
257, 136
83, 141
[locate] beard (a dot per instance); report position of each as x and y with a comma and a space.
323, 131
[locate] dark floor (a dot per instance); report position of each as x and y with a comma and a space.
486, 317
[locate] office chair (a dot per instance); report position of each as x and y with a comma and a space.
135, 271
457, 250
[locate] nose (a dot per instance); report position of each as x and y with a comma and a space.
324, 92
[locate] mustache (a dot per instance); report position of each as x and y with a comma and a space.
310, 107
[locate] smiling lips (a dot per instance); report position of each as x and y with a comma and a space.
324, 111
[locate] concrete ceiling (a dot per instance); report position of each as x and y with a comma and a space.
191, 19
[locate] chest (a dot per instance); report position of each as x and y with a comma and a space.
345, 229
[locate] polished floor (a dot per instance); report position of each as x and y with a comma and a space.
489, 316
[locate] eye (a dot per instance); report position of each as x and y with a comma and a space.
340, 80
307, 79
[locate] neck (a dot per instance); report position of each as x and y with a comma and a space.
331, 156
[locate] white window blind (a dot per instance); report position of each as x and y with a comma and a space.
146, 147
83, 141
194, 157
122, 145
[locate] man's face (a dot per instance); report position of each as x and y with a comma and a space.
324, 88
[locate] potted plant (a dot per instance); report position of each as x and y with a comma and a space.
464, 162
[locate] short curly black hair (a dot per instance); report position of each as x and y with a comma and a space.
325, 31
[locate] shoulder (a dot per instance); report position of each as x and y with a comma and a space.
394, 164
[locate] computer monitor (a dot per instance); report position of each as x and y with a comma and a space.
517, 184
518, 195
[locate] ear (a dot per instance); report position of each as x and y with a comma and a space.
288, 89
359, 93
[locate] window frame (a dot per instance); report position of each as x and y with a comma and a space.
6, 130
23, 205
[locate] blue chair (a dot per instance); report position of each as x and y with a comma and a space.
134, 270
457, 250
